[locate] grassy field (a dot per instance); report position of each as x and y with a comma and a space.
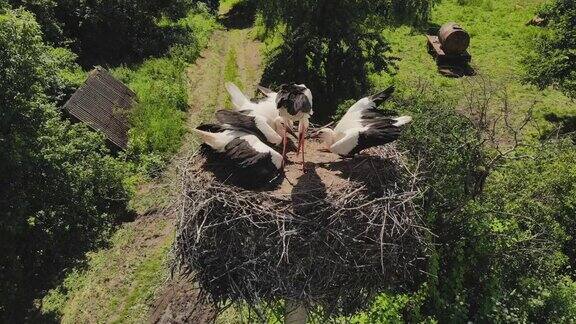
116, 285
499, 41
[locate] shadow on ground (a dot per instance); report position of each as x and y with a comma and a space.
308, 191
241, 16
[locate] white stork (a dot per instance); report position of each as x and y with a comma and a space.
243, 148
254, 124
294, 103
363, 126
262, 109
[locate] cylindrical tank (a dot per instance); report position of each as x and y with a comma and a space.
454, 39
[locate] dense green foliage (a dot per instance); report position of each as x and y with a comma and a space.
60, 192
554, 60
521, 230
504, 231
110, 32
332, 46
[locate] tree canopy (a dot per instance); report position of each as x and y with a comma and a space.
59, 189
333, 45
109, 32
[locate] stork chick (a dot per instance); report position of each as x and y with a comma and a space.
363, 126
243, 148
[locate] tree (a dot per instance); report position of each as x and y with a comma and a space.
553, 62
501, 209
332, 45
59, 189
109, 32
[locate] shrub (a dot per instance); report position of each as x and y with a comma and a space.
553, 62
504, 238
60, 191
523, 232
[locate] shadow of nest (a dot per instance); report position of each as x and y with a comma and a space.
332, 245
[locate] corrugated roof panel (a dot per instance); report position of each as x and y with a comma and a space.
104, 104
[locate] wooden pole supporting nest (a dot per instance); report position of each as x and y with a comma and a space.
325, 242
295, 313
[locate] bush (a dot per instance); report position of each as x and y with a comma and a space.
60, 192
504, 238
522, 232
553, 63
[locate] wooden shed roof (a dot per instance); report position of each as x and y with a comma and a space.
103, 103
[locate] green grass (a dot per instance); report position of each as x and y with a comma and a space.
231, 68
231, 72
118, 284
499, 40
158, 121
226, 5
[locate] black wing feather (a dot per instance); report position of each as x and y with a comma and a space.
211, 128
370, 115
381, 97
240, 121
237, 119
241, 153
380, 132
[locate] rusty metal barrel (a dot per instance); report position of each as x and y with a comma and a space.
454, 39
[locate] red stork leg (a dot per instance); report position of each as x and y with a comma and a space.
303, 160
284, 141
301, 141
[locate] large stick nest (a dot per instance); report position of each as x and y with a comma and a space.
333, 237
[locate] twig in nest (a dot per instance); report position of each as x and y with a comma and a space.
332, 249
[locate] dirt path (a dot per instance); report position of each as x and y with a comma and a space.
207, 76
175, 301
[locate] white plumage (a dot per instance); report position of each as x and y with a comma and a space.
294, 103
264, 110
247, 150
363, 126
